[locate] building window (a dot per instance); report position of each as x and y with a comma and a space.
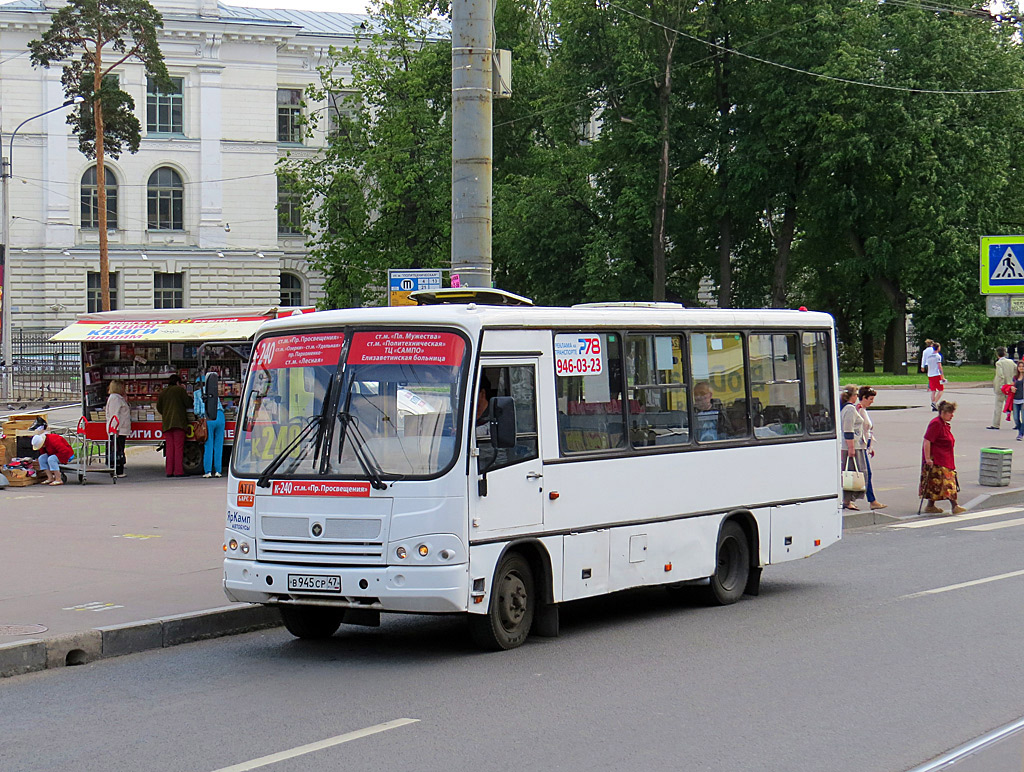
93, 295
168, 290
165, 108
289, 115
165, 195
289, 210
291, 290
341, 114
91, 199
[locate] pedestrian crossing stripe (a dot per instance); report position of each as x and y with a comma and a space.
952, 519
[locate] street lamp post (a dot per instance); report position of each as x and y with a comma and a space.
7, 360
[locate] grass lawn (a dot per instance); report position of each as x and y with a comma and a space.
954, 374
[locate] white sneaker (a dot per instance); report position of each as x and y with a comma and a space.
216, 474
207, 475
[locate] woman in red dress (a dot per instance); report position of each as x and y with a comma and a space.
938, 467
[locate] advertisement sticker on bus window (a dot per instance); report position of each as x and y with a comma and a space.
319, 488
306, 350
579, 354
406, 347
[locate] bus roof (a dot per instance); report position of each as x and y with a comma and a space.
473, 318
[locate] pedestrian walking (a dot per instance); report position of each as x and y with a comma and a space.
117, 407
1018, 399
853, 438
929, 349
1004, 376
172, 404
938, 467
866, 398
213, 448
936, 377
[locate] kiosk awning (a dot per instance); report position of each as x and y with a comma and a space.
172, 324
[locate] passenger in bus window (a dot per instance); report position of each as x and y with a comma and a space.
483, 400
709, 420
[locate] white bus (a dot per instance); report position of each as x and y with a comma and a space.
499, 460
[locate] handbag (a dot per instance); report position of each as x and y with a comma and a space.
853, 480
200, 433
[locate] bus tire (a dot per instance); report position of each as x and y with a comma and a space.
311, 622
732, 566
510, 613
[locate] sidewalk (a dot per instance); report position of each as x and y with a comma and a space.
897, 462
142, 559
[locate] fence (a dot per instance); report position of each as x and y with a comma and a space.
41, 371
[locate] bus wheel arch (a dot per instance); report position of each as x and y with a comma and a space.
734, 551
748, 523
520, 599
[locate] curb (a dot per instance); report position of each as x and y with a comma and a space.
34, 654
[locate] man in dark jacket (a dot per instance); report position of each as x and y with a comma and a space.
172, 404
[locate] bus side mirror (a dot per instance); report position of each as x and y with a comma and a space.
503, 422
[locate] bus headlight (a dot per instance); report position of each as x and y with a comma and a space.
400, 553
430, 550
239, 547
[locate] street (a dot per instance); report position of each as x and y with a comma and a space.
868, 656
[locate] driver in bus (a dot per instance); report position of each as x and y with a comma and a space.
708, 415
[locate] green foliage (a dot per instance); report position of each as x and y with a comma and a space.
379, 194
121, 127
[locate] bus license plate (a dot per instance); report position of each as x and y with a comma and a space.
312, 583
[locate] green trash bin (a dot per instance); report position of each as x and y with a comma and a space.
995, 467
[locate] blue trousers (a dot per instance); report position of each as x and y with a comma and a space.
1018, 417
213, 448
867, 475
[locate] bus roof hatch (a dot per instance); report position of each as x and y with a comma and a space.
483, 296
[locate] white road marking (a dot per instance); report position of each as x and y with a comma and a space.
962, 585
92, 606
994, 526
317, 746
958, 518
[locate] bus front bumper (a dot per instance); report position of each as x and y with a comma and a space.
418, 589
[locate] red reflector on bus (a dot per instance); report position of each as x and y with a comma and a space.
668, 566
553, 495
817, 542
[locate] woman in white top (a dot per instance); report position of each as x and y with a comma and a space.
867, 398
853, 441
117, 406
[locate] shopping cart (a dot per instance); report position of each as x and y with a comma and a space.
94, 454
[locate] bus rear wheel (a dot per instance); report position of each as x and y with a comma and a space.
732, 566
510, 613
311, 622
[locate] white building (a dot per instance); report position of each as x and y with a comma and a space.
197, 223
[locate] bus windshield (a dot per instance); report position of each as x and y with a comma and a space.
398, 398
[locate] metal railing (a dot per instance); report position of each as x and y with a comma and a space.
41, 371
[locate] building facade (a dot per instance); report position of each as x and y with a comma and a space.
195, 218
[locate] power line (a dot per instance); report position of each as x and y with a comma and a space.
848, 81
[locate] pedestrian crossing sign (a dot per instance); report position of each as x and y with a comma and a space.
1002, 265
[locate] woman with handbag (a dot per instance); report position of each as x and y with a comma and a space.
938, 467
866, 397
854, 457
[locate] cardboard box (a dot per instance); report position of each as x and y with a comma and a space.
20, 477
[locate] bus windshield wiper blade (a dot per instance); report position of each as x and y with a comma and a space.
360, 449
264, 478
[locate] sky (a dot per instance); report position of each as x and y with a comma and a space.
338, 6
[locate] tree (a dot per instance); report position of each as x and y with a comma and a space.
381, 187
105, 122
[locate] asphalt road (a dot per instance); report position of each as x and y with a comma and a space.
841, 665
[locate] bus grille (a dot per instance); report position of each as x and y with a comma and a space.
320, 552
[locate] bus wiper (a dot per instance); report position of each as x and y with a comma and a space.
264, 478
361, 450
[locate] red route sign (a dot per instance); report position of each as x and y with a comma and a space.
305, 350
406, 347
319, 488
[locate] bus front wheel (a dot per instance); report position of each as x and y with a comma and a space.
732, 566
311, 622
510, 613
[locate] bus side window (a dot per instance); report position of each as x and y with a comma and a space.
590, 406
818, 383
520, 383
719, 386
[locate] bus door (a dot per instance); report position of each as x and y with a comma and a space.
508, 488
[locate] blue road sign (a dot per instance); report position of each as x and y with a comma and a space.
1002, 265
